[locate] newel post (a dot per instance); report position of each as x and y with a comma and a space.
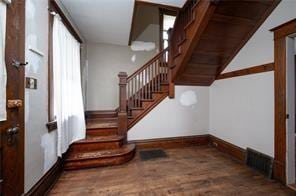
122, 113
170, 62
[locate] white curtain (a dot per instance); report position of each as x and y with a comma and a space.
3, 74
68, 103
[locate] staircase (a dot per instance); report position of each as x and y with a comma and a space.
105, 143
196, 55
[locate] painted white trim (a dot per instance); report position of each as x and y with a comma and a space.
290, 123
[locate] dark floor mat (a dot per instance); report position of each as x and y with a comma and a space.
146, 155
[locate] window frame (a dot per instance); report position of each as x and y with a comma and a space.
162, 12
54, 7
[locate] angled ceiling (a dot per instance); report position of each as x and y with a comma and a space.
106, 21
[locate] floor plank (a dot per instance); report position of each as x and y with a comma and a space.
186, 171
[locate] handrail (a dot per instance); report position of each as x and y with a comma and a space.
148, 63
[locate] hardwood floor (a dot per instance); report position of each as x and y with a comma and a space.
186, 171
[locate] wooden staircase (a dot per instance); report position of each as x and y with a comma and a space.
196, 55
106, 140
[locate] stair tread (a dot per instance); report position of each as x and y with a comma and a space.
101, 153
108, 138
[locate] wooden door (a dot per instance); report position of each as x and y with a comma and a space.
12, 130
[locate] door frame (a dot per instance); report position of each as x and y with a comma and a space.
280, 79
13, 167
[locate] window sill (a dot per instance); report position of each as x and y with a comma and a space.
52, 126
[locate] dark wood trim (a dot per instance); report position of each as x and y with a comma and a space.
12, 155
169, 9
249, 35
285, 29
162, 12
133, 23
280, 34
173, 142
43, 186
228, 148
51, 126
53, 6
250, 70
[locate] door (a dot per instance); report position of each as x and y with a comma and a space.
12, 130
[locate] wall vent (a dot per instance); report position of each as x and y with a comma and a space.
260, 162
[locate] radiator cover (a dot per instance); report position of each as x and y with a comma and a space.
260, 162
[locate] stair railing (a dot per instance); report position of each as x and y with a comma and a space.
139, 86
183, 19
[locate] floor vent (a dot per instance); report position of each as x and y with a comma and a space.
146, 155
260, 162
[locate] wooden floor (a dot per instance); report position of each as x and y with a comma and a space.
186, 171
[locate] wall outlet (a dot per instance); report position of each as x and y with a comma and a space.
31, 83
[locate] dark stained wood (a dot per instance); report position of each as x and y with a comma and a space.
225, 30
99, 158
172, 10
100, 114
228, 148
51, 126
200, 17
53, 6
250, 70
122, 113
198, 170
12, 153
285, 29
280, 34
173, 142
48, 180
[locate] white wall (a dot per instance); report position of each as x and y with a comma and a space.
187, 114
40, 146
242, 109
105, 61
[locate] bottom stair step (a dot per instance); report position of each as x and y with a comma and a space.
81, 160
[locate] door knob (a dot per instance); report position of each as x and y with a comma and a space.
11, 135
13, 131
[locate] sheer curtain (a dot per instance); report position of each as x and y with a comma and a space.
3, 74
68, 104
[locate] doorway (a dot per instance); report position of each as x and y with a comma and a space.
12, 125
291, 105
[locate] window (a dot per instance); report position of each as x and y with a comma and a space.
54, 8
167, 20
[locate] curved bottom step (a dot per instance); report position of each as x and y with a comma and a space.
100, 158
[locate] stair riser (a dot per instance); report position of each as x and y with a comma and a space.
86, 147
136, 113
100, 162
101, 115
146, 104
102, 132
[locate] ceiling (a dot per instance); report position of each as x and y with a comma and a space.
106, 21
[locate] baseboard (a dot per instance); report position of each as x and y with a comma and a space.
173, 142
43, 186
228, 148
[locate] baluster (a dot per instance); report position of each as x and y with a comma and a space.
143, 83
139, 90
149, 82
133, 82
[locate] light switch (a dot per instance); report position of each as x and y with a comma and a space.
31, 83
